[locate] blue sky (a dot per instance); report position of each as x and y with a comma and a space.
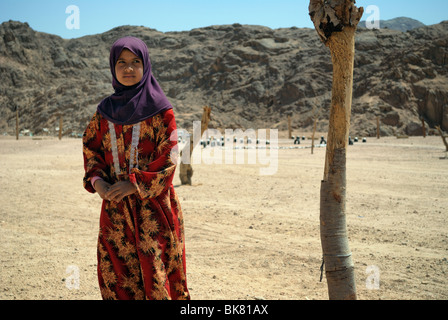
97, 16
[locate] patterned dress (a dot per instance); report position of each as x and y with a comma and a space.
141, 250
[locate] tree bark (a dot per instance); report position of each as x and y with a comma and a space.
342, 49
335, 22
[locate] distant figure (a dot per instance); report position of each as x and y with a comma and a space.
297, 140
350, 141
127, 160
322, 140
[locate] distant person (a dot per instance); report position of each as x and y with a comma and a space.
126, 148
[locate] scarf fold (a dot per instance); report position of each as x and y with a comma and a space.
130, 105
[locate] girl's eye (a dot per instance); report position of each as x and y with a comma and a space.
136, 61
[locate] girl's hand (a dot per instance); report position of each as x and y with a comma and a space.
120, 190
102, 187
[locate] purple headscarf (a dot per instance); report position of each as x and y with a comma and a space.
130, 105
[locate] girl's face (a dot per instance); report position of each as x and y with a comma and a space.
129, 68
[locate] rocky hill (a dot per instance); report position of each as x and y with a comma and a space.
251, 76
401, 24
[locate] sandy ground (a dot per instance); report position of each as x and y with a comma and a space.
248, 236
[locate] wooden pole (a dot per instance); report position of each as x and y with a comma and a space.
336, 21
186, 169
377, 127
289, 127
60, 127
423, 128
312, 136
17, 123
443, 137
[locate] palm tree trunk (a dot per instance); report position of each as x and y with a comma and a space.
336, 21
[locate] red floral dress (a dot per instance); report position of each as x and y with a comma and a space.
141, 250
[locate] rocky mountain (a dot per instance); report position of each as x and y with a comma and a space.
251, 76
401, 24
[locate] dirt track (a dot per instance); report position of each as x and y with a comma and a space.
248, 236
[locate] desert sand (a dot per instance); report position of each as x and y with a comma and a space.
248, 236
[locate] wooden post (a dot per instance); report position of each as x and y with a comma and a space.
185, 169
17, 123
443, 137
423, 127
60, 127
289, 127
312, 136
335, 22
377, 127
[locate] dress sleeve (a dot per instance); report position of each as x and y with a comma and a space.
159, 174
93, 153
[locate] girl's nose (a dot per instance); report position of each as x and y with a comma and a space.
129, 68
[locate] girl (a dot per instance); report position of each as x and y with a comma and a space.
127, 147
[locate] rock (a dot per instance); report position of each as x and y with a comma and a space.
414, 129
391, 119
251, 76
401, 24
